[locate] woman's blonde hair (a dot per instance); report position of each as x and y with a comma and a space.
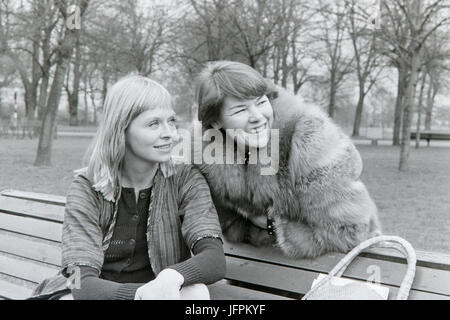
125, 100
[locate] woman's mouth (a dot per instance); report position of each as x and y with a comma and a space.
164, 147
259, 128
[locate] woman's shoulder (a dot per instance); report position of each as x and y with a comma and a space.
293, 109
185, 171
81, 184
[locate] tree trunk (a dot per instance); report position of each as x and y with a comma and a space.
73, 96
43, 157
104, 87
408, 111
265, 65
64, 52
276, 65
284, 68
399, 106
419, 111
92, 96
358, 114
31, 93
86, 109
43, 89
43, 94
431, 95
332, 102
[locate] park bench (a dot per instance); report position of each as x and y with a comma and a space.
30, 236
431, 135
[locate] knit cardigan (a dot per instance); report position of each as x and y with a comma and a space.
316, 199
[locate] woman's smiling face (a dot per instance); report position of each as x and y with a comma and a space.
252, 119
150, 136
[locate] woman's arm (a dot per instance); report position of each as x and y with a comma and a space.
201, 229
336, 211
206, 266
82, 245
82, 235
94, 288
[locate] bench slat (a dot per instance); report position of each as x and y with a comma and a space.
30, 249
427, 259
293, 280
26, 270
270, 276
29, 226
391, 273
218, 291
13, 291
435, 260
41, 197
224, 291
32, 208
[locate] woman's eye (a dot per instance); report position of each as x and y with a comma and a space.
173, 121
239, 111
153, 124
262, 102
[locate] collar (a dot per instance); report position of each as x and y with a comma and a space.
166, 169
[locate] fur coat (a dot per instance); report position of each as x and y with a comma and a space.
316, 199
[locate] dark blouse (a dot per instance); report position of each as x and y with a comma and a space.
126, 259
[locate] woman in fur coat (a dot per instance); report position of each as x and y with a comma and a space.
312, 201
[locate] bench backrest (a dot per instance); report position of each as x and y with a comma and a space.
30, 239
432, 135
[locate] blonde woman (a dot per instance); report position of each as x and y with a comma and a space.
132, 216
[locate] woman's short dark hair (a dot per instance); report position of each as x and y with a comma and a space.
220, 79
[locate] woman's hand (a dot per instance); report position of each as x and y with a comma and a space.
166, 286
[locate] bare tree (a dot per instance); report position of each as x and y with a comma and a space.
368, 64
289, 43
433, 89
337, 63
406, 36
201, 33
10, 34
64, 52
7, 72
301, 45
261, 26
436, 55
72, 94
144, 34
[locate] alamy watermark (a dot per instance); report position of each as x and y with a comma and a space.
375, 274
73, 20
215, 146
74, 277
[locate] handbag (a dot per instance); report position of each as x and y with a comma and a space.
325, 289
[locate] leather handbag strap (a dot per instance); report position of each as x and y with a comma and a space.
393, 242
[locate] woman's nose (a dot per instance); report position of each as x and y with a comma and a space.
255, 114
167, 131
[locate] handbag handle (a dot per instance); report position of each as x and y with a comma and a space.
393, 242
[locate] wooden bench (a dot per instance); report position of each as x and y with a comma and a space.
431, 135
30, 238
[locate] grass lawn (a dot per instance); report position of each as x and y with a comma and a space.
414, 205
